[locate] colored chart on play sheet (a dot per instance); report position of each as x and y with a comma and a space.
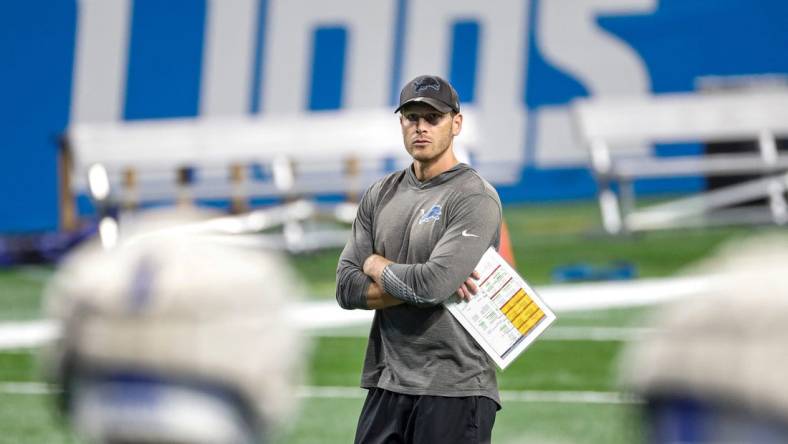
522, 311
506, 293
506, 315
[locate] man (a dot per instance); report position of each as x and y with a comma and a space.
416, 239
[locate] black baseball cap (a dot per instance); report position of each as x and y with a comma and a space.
433, 91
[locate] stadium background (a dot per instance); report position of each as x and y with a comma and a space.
518, 62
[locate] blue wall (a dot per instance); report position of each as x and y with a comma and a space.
36, 49
165, 59
679, 42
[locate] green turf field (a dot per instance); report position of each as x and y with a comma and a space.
543, 236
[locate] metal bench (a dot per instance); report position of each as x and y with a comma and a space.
236, 159
616, 130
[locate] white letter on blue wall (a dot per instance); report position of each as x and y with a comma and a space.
570, 40
99, 89
228, 57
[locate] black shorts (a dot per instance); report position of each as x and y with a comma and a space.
389, 417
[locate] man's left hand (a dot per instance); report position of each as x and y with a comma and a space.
469, 287
373, 267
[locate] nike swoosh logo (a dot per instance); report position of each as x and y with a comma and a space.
466, 234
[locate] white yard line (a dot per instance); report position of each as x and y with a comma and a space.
596, 334
569, 397
27, 334
320, 317
329, 392
26, 388
557, 396
32, 334
586, 333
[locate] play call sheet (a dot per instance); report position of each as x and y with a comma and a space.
506, 315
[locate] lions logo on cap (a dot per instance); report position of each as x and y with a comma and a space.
427, 82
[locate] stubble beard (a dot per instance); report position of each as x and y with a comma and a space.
432, 154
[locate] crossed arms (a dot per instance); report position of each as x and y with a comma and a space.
368, 280
377, 298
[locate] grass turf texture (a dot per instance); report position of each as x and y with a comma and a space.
30, 419
336, 362
543, 237
548, 365
20, 292
546, 423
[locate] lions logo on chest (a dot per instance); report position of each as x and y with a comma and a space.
431, 215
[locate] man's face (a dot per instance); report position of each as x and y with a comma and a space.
426, 132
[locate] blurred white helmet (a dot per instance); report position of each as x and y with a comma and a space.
714, 370
175, 338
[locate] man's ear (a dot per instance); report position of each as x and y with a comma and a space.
456, 124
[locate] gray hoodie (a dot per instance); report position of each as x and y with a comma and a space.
435, 232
